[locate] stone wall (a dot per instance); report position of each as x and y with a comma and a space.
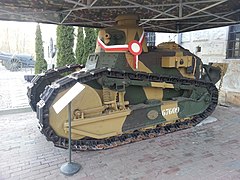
213, 43
230, 92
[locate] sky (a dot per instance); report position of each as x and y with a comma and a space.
48, 30
17, 31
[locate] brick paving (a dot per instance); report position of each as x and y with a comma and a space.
210, 151
13, 88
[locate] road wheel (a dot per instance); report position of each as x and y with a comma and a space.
15, 65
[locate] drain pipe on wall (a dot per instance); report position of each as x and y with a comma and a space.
179, 35
179, 38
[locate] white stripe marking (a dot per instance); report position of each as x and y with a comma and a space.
68, 97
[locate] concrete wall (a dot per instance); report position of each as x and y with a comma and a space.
213, 43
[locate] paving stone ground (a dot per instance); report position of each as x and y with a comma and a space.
13, 88
210, 151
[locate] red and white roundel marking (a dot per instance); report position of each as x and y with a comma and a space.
135, 47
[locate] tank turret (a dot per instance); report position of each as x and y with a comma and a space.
123, 46
126, 36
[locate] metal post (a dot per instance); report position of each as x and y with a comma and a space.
69, 133
70, 168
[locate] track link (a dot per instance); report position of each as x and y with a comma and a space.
40, 81
95, 144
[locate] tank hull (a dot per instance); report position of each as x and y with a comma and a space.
103, 125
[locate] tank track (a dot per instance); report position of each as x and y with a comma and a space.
40, 81
95, 144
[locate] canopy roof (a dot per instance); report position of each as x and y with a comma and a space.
155, 15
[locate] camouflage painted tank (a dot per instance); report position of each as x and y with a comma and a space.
131, 92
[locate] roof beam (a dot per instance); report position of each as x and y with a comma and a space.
89, 21
207, 7
100, 7
183, 18
69, 13
222, 22
151, 9
180, 8
211, 14
133, 6
228, 14
154, 26
30, 17
158, 15
93, 3
76, 3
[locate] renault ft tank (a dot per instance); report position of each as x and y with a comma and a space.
131, 92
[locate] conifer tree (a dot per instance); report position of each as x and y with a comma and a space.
65, 42
96, 32
40, 64
89, 42
79, 52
